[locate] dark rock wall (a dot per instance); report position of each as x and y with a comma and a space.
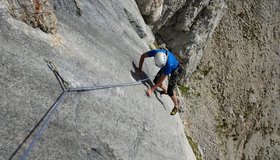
187, 24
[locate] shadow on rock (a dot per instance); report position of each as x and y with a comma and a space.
148, 83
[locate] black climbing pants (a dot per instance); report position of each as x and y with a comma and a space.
172, 81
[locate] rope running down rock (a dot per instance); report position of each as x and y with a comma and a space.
66, 88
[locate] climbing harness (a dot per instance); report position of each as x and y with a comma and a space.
65, 89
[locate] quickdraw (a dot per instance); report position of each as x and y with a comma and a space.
63, 84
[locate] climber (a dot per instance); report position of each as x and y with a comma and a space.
168, 65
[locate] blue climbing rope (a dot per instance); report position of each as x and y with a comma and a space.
44, 125
91, 88
65, 87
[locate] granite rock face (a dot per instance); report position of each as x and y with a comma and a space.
96, 43
36, 13
150, 9
184, 25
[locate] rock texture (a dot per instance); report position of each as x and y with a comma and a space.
95, 44
36, 13
233, 97
150, 9
183, 25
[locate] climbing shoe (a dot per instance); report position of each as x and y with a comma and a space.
174, 110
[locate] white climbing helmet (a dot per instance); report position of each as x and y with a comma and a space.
160, 59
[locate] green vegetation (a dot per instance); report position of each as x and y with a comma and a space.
195, 148
184, 89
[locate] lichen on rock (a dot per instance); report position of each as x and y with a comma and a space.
36, 13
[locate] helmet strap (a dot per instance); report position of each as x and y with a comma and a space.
167, 53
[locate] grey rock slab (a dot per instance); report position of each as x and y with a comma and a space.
95, 48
